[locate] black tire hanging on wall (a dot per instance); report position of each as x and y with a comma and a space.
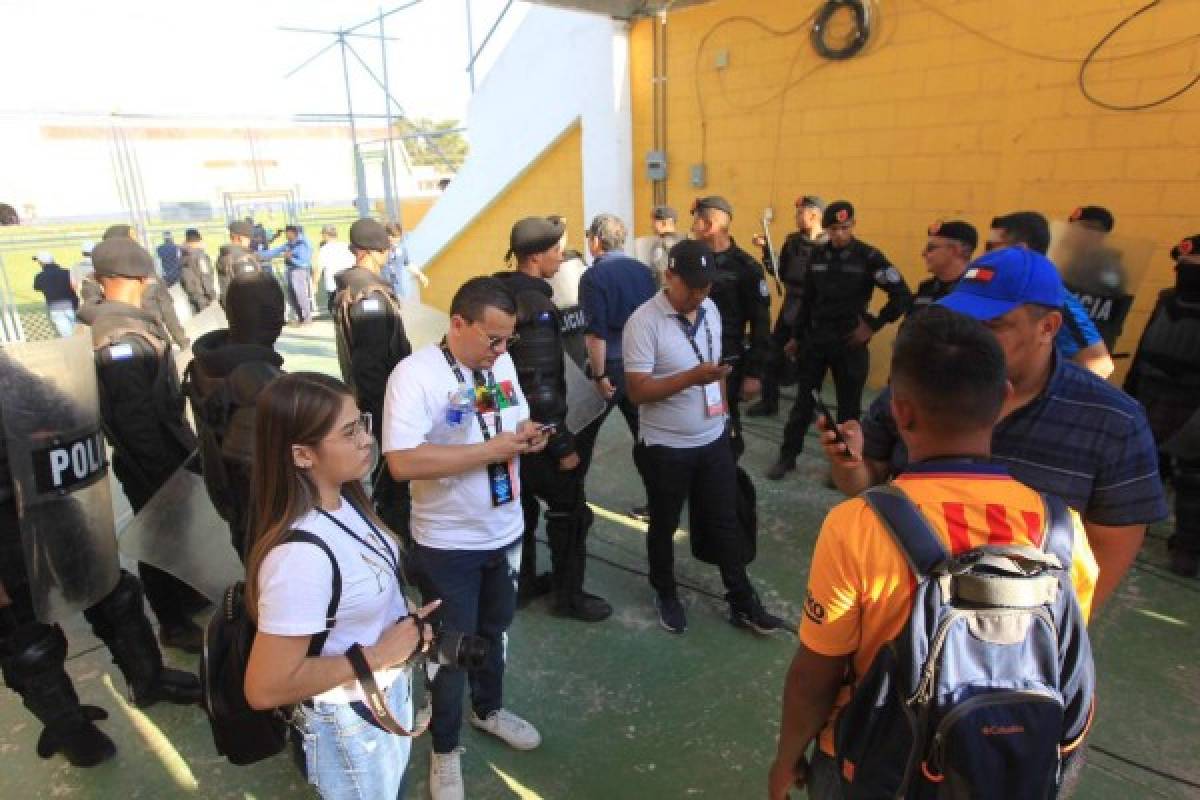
862, 29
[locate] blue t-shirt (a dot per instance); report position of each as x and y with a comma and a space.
1081, 439
609, 292
1077, 331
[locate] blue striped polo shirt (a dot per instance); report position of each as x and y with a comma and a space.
1081, 439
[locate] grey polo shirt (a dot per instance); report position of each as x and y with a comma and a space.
654, 342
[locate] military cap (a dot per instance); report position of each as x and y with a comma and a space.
241, 228
120, 229
837, 213
665, 212
534, 235
1096, 215
367, 234
810, 201
957, 230
694, 262
712, 201
1188, 247
121, 257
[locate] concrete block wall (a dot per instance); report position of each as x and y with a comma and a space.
955, 110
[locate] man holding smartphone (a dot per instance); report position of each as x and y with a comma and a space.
554, 476
672, 355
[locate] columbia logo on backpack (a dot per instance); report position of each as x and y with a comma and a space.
989, 687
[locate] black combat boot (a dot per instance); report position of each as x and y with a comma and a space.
119, 620
32, 658
567, 533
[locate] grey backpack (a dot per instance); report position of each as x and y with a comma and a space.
989, 687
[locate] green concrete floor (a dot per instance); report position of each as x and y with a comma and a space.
627, 710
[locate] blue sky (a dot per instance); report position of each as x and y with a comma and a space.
227, 57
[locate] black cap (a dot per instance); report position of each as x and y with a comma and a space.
241, 228
191, 235
712, 201
367, 234
1188, 247
694, 262
534, 235
957, 230
114, 231
665, 212
837, 214
811, 201
1096, 215
121, 257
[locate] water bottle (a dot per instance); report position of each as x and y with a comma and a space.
460, 406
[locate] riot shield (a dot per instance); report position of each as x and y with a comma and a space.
51, 425
1185, 444
183, 307
565, 283
423, 324
584, 402
179, 531
206, 321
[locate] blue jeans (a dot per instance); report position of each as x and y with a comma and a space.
64, 321
349, 758
478, 589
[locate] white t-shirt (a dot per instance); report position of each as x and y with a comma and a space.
654, 342
454, 513
334, 257
295, 585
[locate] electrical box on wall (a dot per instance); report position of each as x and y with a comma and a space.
656, 165
699, 176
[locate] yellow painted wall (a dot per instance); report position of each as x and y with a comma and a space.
933, 121
552, 184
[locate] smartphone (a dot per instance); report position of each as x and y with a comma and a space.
548, 428
823, 410
729, 361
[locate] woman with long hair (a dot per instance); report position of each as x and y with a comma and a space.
312, 449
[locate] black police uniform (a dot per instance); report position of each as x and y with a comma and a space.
371, 341
196, 277
158, 301
142, 405
1165, 377
837, 290
740, 293
794, 259
538, 358
233, 259
222, 383
929, 292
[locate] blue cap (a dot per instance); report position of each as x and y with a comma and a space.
999, 281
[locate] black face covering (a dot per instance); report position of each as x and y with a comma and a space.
1187, 281
254, 306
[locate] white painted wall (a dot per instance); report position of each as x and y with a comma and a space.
559, 67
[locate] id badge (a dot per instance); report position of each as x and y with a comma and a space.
714, 403
500, 484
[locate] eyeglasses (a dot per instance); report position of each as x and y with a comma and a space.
498, 344
352, 430
931, 246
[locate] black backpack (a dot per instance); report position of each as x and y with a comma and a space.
242, 734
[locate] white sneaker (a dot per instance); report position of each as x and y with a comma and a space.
445, 775
510, 728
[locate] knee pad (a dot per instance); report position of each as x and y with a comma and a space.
31, 651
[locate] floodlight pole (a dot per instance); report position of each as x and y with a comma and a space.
360, 201
389, 164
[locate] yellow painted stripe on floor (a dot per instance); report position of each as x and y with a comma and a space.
155, 740
514, 785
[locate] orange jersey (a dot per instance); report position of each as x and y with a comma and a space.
860, 587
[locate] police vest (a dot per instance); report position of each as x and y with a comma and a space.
362, 294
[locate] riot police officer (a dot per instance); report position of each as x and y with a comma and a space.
58, 551
142, 409
947, 253
155, 299
229, 369
793, 265
554, 475
196, 272
236, 257
741, 295
835, 326
371, 341
1094, 272
1165, 377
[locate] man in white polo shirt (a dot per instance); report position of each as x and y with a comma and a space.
456, 425
672, 353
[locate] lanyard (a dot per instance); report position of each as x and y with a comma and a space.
689, 334
481, 379
386, 554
